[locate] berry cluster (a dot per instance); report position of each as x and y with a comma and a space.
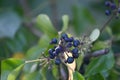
112, 8
62, 46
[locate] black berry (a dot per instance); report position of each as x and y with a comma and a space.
70, 59
58, 49
76, 55
66, 39
113, 6
107, 12
53, 41
118, 10
71, 39
52, 56
51, 51
57, 61
55, 53
69, 44
75, 51
64, 35
76, 43
107, 3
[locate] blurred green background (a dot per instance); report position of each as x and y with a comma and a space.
20, 38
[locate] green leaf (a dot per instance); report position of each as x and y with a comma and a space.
94, 35
77, 76
96, 77
65, 19
35, 52
46, 26
79, 60
55, 71
8, 65
44, 41
9, 24
101, 64
11, 63
100, 45
47, 73
13, 75
88, 16
109, 30
82, 19
33, 75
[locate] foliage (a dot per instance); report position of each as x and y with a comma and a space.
24, 41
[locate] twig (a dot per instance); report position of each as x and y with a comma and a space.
37, 60
54, 12
97, 53
107, 22
30, 24
26, 9
87, 57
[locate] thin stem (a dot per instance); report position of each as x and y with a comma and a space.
107, 22
37, 60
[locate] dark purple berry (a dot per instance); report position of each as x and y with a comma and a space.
71, 39
118, 10
107, 3
69, 44
55, 53
50, 51
76, 55
58, 49
57, 61
113, 6
66, 39
70, 59
75, 51
52, 56
53, 41
64, 35
76, 43
55, 47
107, 12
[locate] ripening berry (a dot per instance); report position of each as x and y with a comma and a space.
70, 59
53, 41
107, 3
57, 61
107, 12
